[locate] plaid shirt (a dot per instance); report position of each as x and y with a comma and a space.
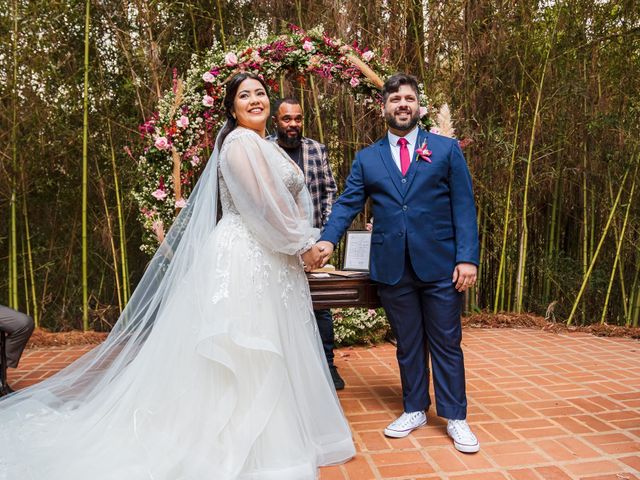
319, 178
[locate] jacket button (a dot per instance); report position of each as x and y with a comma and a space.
400, 234
404, 207
404, 180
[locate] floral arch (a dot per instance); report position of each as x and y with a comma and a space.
180, 134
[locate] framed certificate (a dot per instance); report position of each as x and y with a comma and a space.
356, 252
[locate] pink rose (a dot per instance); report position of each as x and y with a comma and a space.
159, 194
162, 143
208, 77
207, 101
368, 55
307, 46
183, 121
181, 203
255, 56
195, 160
354, 82
423, 111
230, 59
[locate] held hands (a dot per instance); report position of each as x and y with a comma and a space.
327, 250
317, 256
464, 276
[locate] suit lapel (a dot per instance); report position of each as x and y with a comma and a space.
415, 164
385, 153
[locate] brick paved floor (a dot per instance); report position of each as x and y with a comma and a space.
544, 406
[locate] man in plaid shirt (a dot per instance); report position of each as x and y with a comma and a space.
311, 157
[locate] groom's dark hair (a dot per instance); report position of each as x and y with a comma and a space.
394, 82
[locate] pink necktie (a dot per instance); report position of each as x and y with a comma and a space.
405, 161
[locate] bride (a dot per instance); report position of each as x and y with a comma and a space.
215, 369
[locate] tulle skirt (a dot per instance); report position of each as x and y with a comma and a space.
230, 384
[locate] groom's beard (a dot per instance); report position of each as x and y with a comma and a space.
402, 125
290, 137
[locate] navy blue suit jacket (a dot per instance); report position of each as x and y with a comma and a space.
429, 214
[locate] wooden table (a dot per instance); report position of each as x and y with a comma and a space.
338, 292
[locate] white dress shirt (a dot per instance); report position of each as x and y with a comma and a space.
412, 138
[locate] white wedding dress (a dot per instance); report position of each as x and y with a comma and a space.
223, 377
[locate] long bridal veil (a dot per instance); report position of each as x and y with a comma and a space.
81, 382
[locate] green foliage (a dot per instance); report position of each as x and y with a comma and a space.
359, 326
481, 57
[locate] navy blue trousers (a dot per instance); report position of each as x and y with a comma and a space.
324, 319
425, 319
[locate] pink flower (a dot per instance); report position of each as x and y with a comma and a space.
423, 111
183, 121
368, 55
230, 59
159, 194
369, 227
162, 143
181, 203
208, 77
255, 56
195, 160
207, 101
371, 311
423, 152
149, 213
307, 46
354, 82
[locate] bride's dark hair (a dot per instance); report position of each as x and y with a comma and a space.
229, 97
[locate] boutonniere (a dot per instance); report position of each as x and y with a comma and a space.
424, 153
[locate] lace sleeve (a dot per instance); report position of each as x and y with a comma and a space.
274, 215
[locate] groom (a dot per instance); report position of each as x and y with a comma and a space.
424, 254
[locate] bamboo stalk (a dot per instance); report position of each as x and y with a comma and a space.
112, 244
36, 316
193, 29
595, 256
619, 247
222, 35
85, 138
634, 306
546, 292
616, 234
124, 262
25, 279
522, 261
417, 39
9, 276
505, 225
316, 105
482, 221
13, 249
13, 253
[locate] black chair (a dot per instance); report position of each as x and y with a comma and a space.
4, 387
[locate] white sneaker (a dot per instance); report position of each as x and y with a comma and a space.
405, 424
463, 438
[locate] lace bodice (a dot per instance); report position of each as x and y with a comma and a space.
291, 175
